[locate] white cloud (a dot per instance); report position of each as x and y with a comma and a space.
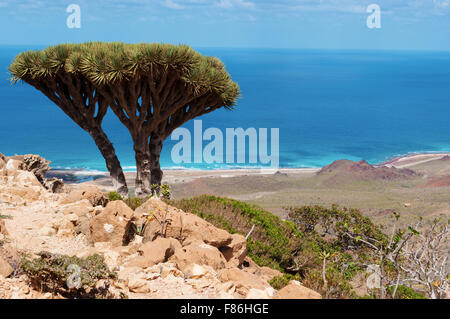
172, 5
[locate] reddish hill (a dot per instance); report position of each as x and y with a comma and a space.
347, 171
443, 181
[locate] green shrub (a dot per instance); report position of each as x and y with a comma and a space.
280, 282
166, 191
134, 202
113, 196
333, 223
273, 242
295, 246
69, 276
404, 292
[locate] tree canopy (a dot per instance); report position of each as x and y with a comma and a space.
109, 63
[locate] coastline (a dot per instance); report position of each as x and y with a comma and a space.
180, 175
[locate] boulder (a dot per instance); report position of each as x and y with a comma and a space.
264, 273
36, 165
5, 268
13, 165
80, 208
91, 193
155, 252
119, 208
112, 224
63, 226
296, 291
185, 227
194, 271
138, 285
242, 280
260, 293
2, 162
11, 199
236, 251
24, 178
54, 185
28, 194
3, 228
198, 253
83, 226
165, 269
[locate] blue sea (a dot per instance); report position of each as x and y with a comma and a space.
328, 105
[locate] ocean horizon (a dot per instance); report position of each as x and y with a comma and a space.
327, 104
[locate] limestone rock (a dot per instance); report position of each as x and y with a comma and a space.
260, 293
264, 273
91, 193
13, 165
195, 271
138, 285
236, 251
243, 281
166, 269
80, 208
185, 227
11, 199
5, 268
296, 291
3, 228
112, 224
36, 165
28, 194
54, 185
155, 252
198, 253
83, 226
24, 178
119, 208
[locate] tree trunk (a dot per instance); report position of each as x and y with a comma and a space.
112, 162
142, 156
155, 146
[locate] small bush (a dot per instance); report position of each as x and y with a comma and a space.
166, 191
71, 277
273, 242
404, 292
280, 282
113, 196
134, 202
295, 246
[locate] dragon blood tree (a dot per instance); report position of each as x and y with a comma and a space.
66, 76
151, 88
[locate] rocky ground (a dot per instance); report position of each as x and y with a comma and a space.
157, 250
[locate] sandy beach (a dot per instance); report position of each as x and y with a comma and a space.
174, 176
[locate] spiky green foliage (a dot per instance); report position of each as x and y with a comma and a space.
111, 63
54, 272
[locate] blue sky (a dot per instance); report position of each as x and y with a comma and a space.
332, 24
